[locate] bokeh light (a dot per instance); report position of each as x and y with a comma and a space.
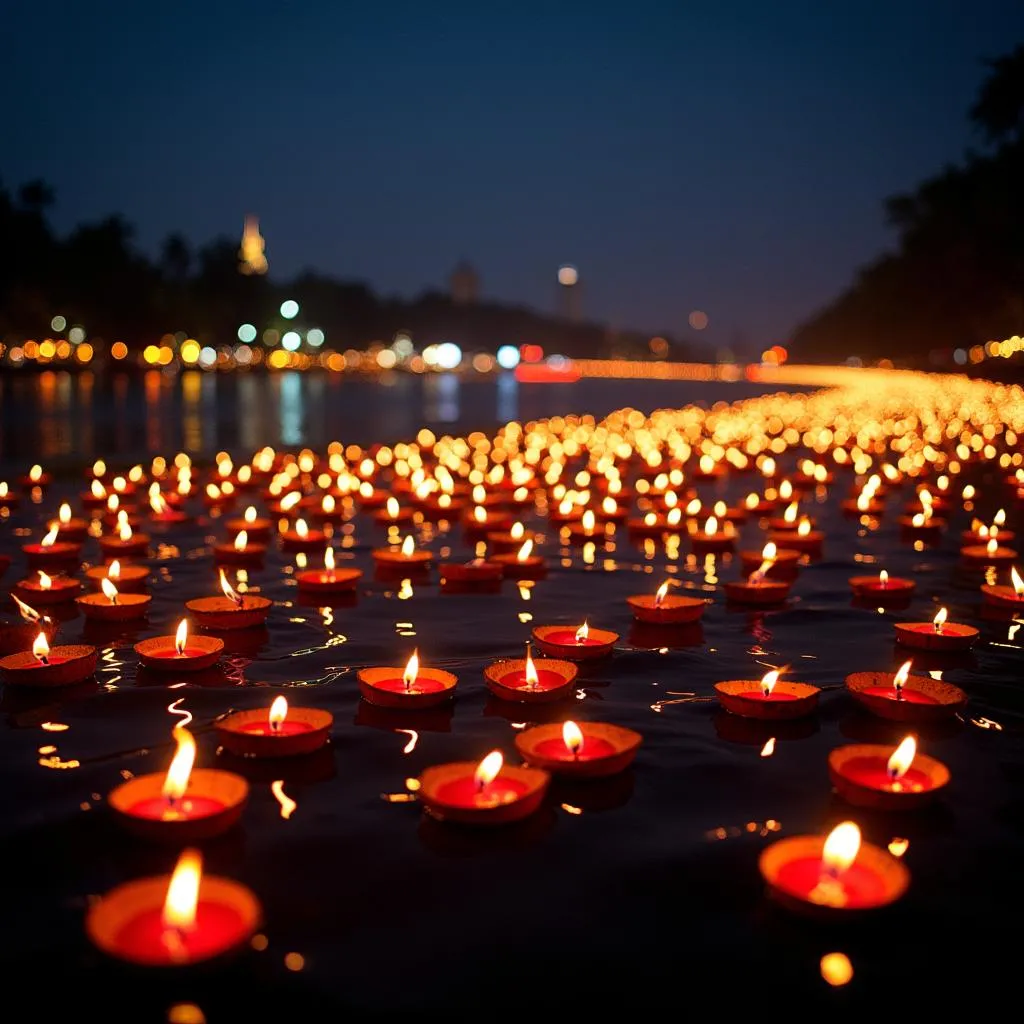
568, 275
289, 309
508, 357
246, 333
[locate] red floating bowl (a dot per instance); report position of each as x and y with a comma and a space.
222, 613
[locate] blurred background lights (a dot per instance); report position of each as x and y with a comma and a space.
315, 337
207, 356
508, 357
386, 358
568, 275
190, 352
246, 333
291, 341
289, 309
76, 335
58, 323
698, 320
449, 355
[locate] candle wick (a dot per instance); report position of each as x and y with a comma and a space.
44, 659
173, 939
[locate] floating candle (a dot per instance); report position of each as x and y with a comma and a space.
181, 805
663, 608
124, 577
182, 652
112, 606
44, 589
232, 611
526, 681
410, 688
69, 528
901, 696
127, 543
523, 565
712, 538
834, 873
771, 561
772, 698
283, 731
329, 580
757, 589
991, 553
44, 666
50, 551
402, 559
870, 775
937, 635
581, 644
1007, 597
187, 919
585, 750
804, 539
882, 588
488, 793
256, 528
162, 511
302, 538
239, 551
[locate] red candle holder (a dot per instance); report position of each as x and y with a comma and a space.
919, 699
476, 571
526, 681
493, 520
1005, 596
974, 537
40, 592
882, 590
809, 543
405, 559
986, 554
223, 613
652, 525
861, 776
784, 565
136, 546
796, 876
397, 515
669, 610
605, 749
212, 804
162, 654
502, 542
328, 582
127, 579
125, 608
928, 530
36, 477
386, 687
571, 644
297, 540
785, 700
74, 530
127, 923
48, 556
587, 533
704, 542
757, 592
19, 636
515, 567
64, 666
852, 507
936, 636
253, 734
241, 553
450, 792
257, 529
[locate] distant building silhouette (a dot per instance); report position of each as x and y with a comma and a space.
464, 284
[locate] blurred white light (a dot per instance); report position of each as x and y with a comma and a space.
386, 358
246, 333
289, 309
508, 357
430, 355
58, 323
960, 356
76, 335
315, 337
291, 341
449, 355
568, 275
243, 355
207, 356
402, 346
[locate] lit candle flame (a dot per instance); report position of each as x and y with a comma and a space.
768, 681
97, 489
588, 521
999, 519
532, 679
804, 528
181, 637
517, 532
840, 849
487, 770
278, 713
109, 590
789, 515
940, 620
900, 679
412, 670
45, 582
898, 846
290, 500
692, 508
41, 649
572, 737
241, 540
99, 468
769, 747
329, 559
408, 546
27, 612
288, 805
64, 514
50, 539
301, 528
179, 910
124, 532
112, 503
883, 579
234, 597
902, 758
35, 474
392, 508
1018, 583
250, 515
751, 501
180, 769
711, 526
661, 593
992, 547
480, 514
582, 633
609, 506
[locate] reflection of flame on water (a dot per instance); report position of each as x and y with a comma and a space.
405, 590
836, 969
175, 709
414, 737
898, 846
27, 612
571, 809
769, 748
288, 805
986, 723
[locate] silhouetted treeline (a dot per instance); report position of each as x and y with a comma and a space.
97, 278
956, 277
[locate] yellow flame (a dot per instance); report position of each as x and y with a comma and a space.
898, 846
229, 592
992, 546
902, 758
109, 590
902, 674
180, 768
572, 737
329, 559
99, 468
64, 514
999, 519
290, 500
768, 681
408, 546
532, 679
51, 537
97, 489
1018, 583
609, 506
278, 713
125, 531
841, 848
45, 582
582, 633
412, 669
804, 528
27, 612
883, 578
250, 515
789, 515
836, 969
392, 508
35, 474
480, 514
661, 593
301, 528
693, 507
179, 911
487, 770
241, 540
751, 501
41, 648
711, 526
769, 748
181, 636
288, 805
940, 620
517, 531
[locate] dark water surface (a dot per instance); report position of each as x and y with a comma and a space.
639, 895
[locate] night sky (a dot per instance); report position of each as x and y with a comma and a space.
727, 156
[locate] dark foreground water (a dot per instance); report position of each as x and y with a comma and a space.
639, 895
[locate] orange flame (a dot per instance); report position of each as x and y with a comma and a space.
940, 620
572, 737
768, 681
41, 648
229, 592
900, 679
582, 633
45, 582
804, 528
412, 670
408, 546
487, 770
180, 769
1018, 583
841, 848
109, 590
661, 593
181, 636
532, 679
179, 910
902, 758
50, 539
278, 713
125, 531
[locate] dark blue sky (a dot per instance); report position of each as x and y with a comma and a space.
723, 156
